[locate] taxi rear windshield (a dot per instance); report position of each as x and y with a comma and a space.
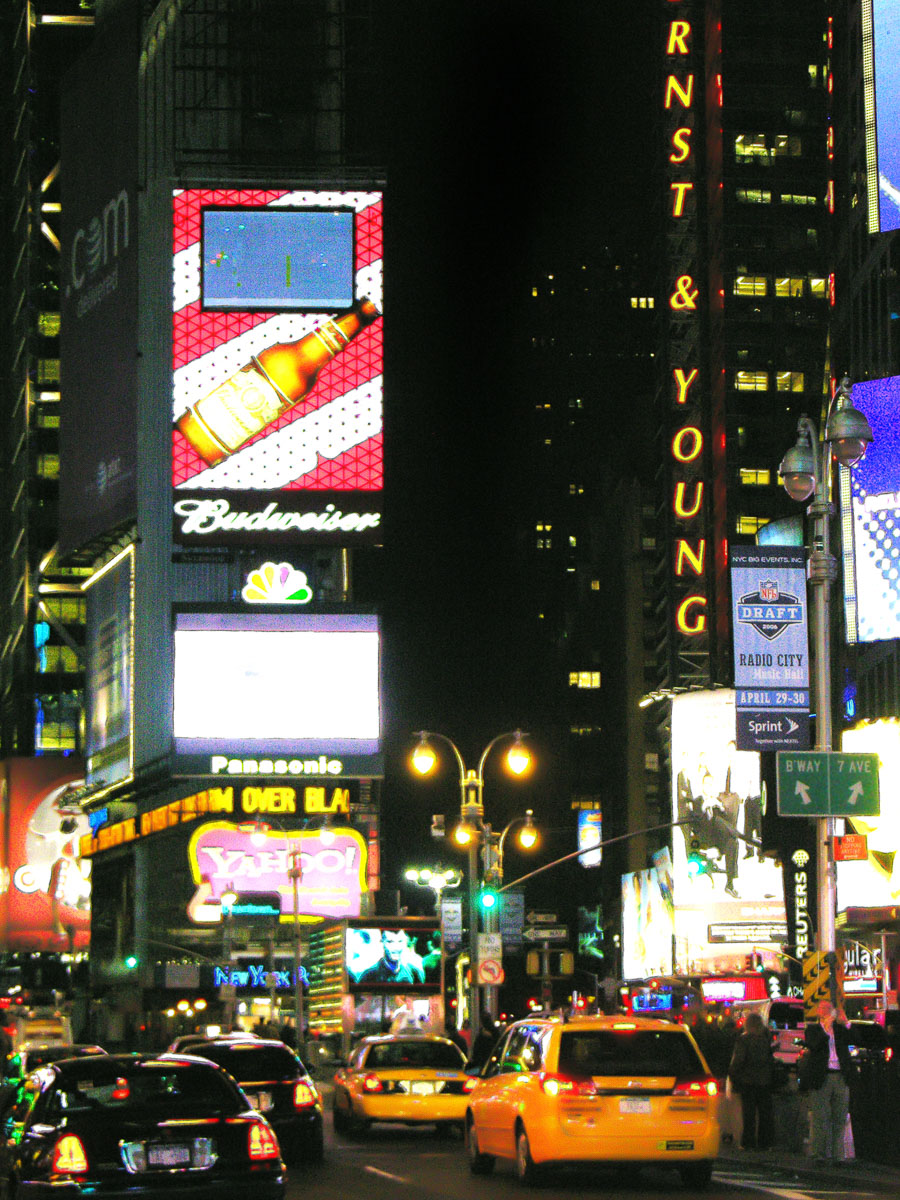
251, 1062
627, 1052
419, 1055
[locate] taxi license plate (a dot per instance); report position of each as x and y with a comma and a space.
422, 1089
260, 1100
634, 1104
169, 1156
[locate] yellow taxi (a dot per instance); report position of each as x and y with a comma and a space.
409, 1079
604, 1090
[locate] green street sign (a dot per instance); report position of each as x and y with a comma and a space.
825, 783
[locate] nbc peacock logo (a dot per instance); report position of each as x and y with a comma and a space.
276, 583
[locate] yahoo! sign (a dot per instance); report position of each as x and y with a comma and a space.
225, 857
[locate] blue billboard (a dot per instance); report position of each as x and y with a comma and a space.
884, 97
870, 503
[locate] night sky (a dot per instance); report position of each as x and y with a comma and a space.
519, 139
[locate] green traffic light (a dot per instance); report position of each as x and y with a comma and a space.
488, 898
131, 962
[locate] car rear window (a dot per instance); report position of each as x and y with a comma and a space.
627, 1052
247, 1063
786, 1016
177, 1088
421, 1055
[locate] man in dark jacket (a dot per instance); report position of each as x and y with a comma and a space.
751, 1073
828, 1075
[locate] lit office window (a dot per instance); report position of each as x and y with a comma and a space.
47, 371
753, 196
595, 585
47, 466
751, 145
48, 324
755, 477
791, 198
789, 381
750, 525
790, 286
818, 288
584, 679
750, 285
751, 381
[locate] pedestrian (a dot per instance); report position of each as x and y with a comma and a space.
484, 1043
455, 1036
752, 1072
827, 1076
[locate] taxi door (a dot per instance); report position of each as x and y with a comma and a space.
503, 1088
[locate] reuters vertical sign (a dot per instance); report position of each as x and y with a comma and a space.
692, 454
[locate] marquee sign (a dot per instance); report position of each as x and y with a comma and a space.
257, 802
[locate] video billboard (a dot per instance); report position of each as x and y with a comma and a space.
729, 897
267, 693
49, 896
277, 366
875, 881
393, 956
99, 287
870, 503
647, 924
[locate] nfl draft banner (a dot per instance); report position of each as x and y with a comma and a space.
771, 647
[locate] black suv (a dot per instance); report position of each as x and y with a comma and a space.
278, 1085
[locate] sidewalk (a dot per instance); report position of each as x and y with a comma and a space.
852, 1173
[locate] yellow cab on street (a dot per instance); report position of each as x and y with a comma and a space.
605, 1090
409, 1079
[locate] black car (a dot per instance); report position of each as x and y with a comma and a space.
277, 1084
123, 1126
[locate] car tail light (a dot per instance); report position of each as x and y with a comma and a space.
304, 1094
888, 1053
706, 1085
566, 1085
470, 1084
69, 1157
262, 1142
371, 1083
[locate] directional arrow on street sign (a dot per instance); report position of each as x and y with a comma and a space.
546, 933
541, 918
825, 783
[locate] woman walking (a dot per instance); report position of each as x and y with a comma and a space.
751, 1074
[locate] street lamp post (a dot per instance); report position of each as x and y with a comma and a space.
806, 471
295, 874
473, 831
435, 878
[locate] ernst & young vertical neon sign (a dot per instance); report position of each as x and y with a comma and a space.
688, 410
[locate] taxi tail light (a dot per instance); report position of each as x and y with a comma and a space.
69, 1157
304, 1094
371, 1083
888, 1053
262, 1142
470, 1084
704, 1085
567, 1085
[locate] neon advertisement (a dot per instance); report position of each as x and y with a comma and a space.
255, 865
871, 493
721, 878
277, 365
647, 926
392, 956
883, 91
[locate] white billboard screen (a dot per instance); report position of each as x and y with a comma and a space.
721, 878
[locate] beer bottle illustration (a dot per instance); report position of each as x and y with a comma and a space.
272, 382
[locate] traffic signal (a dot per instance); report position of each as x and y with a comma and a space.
488, 899
131, 962
697, 863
